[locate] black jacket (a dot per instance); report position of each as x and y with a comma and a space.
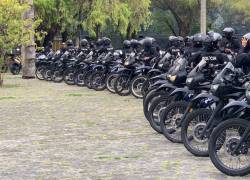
232, 44
243, 60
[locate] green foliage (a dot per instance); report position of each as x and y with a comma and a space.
13, 27
240, 6
57, 15
140, 15
161, 20
126, 17
96, 20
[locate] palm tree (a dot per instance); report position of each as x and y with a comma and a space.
29, 52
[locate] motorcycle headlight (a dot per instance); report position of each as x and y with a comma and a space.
172, 78
160, 65
214, 87
189, 80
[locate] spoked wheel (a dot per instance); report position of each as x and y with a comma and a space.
79, 79
156, 108
57, 77
232, 157
191, 132
170, 120
122, 85
97, 81
136, 86
47, 75
40, 73
69, 77
145, 87
110, 81
148, 99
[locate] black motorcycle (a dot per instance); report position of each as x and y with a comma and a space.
229, 143
199, 124
176, 78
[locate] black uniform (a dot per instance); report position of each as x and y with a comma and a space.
232, 44
243, 60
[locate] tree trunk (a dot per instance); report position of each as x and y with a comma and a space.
203, 17
185, 28
29, 52
128, 35
97, 31
1, 79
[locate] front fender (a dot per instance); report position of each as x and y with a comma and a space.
181, 92
161, 76
142, 68
236, 104
203, 96
166, 86
123, 70
98, 67
160, 82
154, 71
233, 108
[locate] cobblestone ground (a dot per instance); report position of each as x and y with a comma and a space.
55, 131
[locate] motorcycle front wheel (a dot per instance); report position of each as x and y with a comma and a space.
224, 140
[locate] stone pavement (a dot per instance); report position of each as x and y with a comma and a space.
55, 131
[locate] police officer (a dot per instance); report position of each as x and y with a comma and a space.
150, 47
193, 53
229, 43
150, 50
243, 59
104, 45
211, 51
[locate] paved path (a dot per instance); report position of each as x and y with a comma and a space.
55, 131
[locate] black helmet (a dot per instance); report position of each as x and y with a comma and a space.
181, 41
197, 39
172, 38
188, 41
126, 44
211, 40
245, 42
216, 37
99, 42
135, 43
175, 41
148, 42
106, 41
84, 43
69, 43
50, 44
228, 32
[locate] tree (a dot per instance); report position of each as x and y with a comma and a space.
140, 16
13, 28
124, 16
99, 15
185, 13
58, 16
241, 6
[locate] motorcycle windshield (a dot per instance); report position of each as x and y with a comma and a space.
178, 66
226, 71
130, 60
198, 68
